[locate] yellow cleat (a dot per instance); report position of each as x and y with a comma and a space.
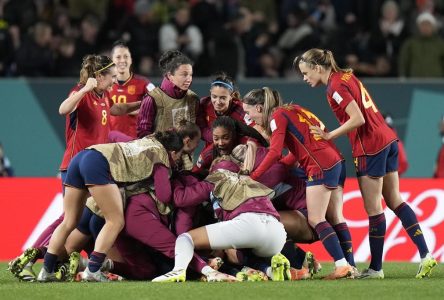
426, 266
280, 268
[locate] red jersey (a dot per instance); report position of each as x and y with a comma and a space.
375, 134
235, 111
132, 90
290, 128
87, 125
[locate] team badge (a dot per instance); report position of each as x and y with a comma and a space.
273, 125
337, 97
131, 89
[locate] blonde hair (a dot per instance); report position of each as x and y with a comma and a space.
268, 98
245, 154
319, 57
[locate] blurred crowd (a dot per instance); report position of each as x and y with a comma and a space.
49, 38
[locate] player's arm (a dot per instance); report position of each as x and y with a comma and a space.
279, 128
70, 103
289, 160
119, 109
146, 118
356, 119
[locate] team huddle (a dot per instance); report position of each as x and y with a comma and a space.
141, 209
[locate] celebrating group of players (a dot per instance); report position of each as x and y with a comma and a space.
136, 203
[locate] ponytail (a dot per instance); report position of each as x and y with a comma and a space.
319, 57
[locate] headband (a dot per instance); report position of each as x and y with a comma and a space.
104, 68
225, 84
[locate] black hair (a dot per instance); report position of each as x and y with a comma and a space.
119, 44
222, 79
171, 60
170, 139
187, 129
237, 128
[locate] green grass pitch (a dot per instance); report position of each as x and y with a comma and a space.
398, 284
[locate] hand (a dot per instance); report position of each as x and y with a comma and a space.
318, 133
90, 84
243, 177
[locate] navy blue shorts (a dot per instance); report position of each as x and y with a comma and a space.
380, 164
63, 177
88, 167
90, 223
331, 178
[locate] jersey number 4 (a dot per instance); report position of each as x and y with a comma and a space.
366, 99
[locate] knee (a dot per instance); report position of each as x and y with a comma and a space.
335, 219
118, 223
313, 221
373, 207
68, 225
186, 237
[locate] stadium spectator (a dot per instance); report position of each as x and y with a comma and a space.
86, 43
35, 58
374, 150
66, 64
412, 59
249, 36
6, 44
384, 43
79, 8
141, 31
226, 41
180, 34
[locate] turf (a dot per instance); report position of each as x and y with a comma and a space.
398, 284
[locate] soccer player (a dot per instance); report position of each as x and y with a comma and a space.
223, 101
248, 220
129, 88
97, 171
288, 126
165, 106
375, 153
87, 111
290, 202
226, 134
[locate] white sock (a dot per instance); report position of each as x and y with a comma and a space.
184, 251
83, 263
341, 263
269, 273
207, 270
428, 255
